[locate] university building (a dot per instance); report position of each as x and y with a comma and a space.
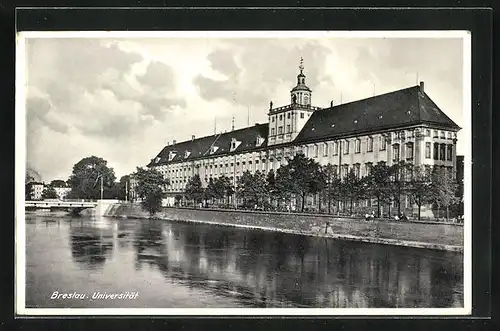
403, 125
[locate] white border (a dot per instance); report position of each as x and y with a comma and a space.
20, 157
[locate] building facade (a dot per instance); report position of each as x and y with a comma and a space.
404, 125
35, 190
62, 192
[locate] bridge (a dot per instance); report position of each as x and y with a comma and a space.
75, 206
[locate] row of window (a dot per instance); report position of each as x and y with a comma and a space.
443, 152
435, 134
288, 115
400, 151
280, 130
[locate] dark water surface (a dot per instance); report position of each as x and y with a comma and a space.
179, 265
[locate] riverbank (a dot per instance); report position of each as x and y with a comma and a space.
428, 235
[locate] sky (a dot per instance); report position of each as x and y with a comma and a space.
123, 99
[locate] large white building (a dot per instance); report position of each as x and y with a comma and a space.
401, 125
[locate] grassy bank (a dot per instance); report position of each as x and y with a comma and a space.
411, 234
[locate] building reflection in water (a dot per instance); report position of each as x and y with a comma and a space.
268, 269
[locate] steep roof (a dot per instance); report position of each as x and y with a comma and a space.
200, 147
404, 107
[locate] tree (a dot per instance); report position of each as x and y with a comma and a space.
420, 188
251, 188
194, 189
223, 187
49, 193
332, 185
122, 188
377, 184
353, 188
398, 184
86, 178
210, 191
271, 185
444, 189
150, 187
300, 177
58, 183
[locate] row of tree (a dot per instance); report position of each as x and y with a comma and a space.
294, 182
303, 177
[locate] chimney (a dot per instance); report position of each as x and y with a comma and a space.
192, 137
331, 103
173, 142
422, 87
168, 143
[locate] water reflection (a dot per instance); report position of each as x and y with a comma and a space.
260, 269
90, 244
278, 269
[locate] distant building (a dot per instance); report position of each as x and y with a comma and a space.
62, 192
403, 125
34, 190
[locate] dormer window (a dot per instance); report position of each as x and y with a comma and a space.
171, 155
157, 159
234, 144
213, 149
259, 141
186, 154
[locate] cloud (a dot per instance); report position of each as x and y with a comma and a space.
255, 69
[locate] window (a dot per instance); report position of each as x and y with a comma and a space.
325, 150
395, 152
288, 128
306, 150
335, 148
281, 117
409, 151
449, 155
280, 130
316, 150
357, 170
256, 161
435, 133
272, 119
450, 135
346, 147
369, 144
383, 143
272, 131
368, 168
427, 150
427, 132
442, 152
288, 115
301, 115
345, 170
443, 135
357, 146
436, 151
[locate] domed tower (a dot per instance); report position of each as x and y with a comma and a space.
301, 94
286, 122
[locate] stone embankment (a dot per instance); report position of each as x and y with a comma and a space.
429, 235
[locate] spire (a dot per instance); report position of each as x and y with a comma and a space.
301, 66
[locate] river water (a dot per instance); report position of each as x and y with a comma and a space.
163, 264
